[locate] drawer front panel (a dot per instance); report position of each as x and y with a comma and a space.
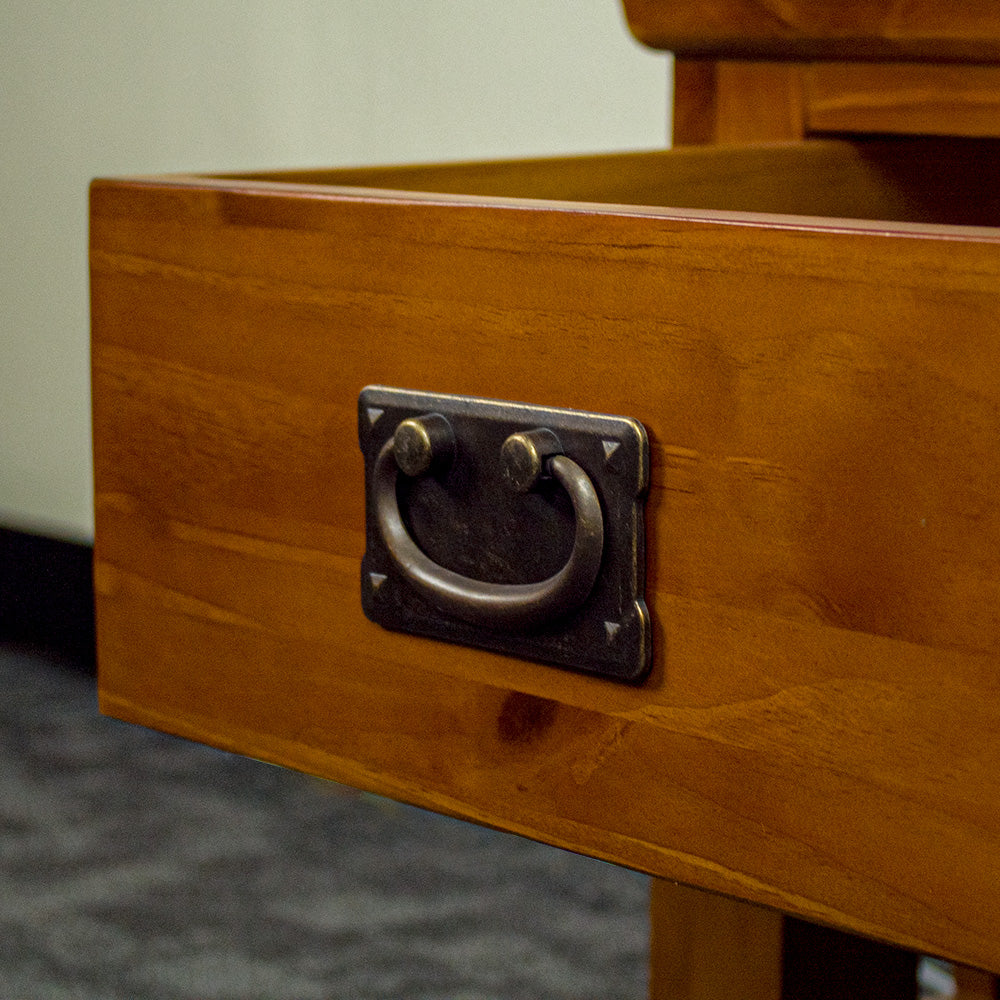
820, 728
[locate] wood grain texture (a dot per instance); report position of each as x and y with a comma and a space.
822, 727
919, 30
728, 102
903, 99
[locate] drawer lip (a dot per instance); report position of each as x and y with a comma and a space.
923, 187
758, 220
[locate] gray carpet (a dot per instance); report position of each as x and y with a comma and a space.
139, 866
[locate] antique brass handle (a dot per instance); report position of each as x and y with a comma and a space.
419, 444
470, 501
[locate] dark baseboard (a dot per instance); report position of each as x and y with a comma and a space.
47, 595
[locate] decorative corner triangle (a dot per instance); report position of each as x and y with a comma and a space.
374, 413
376, 580
612, 629
610, 447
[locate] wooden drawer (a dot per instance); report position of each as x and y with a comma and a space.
821, 729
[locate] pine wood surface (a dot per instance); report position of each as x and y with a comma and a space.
820, 731
908, 99
920, 30
729, 102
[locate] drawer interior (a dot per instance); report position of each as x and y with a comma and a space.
915, 180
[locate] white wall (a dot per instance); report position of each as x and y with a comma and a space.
108, 87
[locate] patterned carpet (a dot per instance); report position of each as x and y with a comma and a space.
139, 866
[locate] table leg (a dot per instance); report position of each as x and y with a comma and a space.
709, 947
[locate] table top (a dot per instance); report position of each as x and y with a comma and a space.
921, 31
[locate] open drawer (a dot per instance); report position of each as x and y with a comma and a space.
820, 731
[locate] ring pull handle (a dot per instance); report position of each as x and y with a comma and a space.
419, 445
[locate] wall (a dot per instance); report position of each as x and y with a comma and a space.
109, 87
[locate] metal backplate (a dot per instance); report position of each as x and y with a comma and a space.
463, 515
